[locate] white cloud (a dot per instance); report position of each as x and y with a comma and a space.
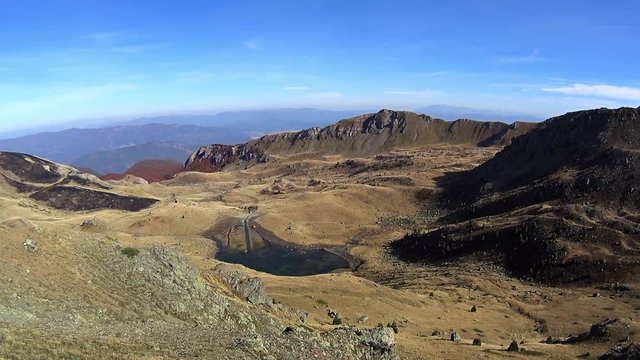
251, 44
296, 88
602, 90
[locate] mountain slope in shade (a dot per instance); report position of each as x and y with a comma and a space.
120, 160
255, 121
150, 170
61, 186
560, 204
363, 135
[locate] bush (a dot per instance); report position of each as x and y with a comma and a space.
130, 251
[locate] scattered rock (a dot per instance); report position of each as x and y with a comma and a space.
455, 337
337, 320
616, 287
474, 309
553, 340
381, 339
437, 333
288, 330
477, 342
332, 314
30, 245
363, 319
394, 326
513, 347
302, 316
600, 328
623, 352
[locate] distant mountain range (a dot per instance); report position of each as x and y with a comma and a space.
448, 112
119, 160
173, 137
70, 146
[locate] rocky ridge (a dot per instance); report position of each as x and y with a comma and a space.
364, 135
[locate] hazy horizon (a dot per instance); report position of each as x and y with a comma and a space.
114, 60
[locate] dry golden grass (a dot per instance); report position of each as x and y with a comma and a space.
338, 210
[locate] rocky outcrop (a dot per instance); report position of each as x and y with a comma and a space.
214, 157
364, 135
249, 288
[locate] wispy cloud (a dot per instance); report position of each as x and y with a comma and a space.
132, 49
432, 73
325, 95
601, 90
251, 44
533, 57
296, 88
410, 92
197, 77
98, 36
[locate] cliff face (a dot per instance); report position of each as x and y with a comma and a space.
363, 135
214, 157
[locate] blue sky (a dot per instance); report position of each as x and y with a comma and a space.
77, 59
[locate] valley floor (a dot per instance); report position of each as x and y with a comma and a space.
74, 294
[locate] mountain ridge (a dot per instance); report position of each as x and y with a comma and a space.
363, 135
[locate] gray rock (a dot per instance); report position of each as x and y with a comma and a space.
251, 289
623, 352
513, 347
30, 245
455, 337
302, 316
382, 339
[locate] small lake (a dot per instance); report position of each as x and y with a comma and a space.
277, 259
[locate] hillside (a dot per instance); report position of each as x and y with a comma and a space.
61, 186
122, 159
363, 135
555, 204
150, 170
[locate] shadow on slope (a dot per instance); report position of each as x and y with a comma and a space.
560, 204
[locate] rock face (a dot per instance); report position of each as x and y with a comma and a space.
554, 204
363, 135
214, 157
